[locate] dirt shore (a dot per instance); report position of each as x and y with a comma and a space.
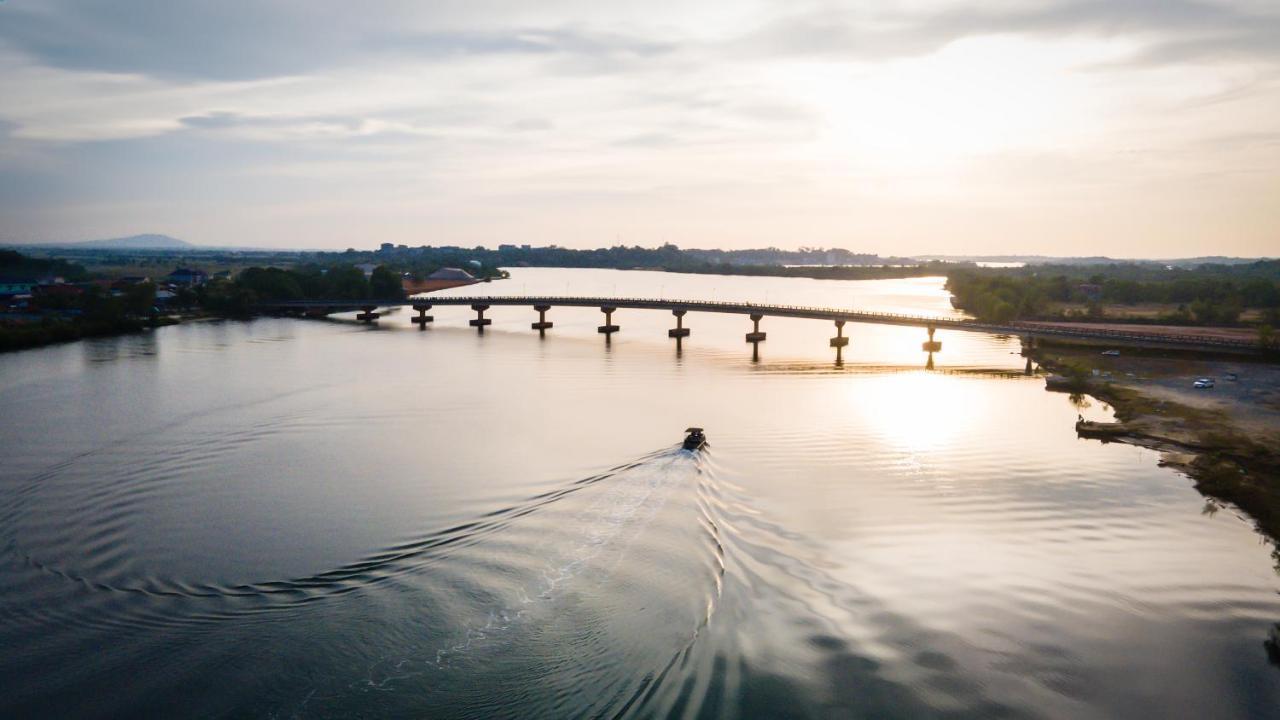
1236, 334
1226, 439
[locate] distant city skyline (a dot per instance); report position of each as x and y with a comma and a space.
1132, 128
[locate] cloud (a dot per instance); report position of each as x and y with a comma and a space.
252, 39
844, 117
1169, 30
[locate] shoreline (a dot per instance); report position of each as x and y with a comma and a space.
1228, 446
17, 338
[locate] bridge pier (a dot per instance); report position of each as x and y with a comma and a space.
679, 331
930, 346
542, 325
755, 337
608, 328
368, 315
480, 320
423, 318
839, 342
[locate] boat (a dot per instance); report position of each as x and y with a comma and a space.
694, 440
1111, 353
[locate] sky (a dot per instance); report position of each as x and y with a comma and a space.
1130, 128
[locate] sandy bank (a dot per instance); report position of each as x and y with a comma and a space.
1226, 439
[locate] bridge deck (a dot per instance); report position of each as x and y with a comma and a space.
792, 311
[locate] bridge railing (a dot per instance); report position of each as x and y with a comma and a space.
672, 302
1014, 328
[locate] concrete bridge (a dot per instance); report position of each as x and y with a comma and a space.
1029, 332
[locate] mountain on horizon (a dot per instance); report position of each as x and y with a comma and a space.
134, 242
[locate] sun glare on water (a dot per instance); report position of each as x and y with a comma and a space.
919, 412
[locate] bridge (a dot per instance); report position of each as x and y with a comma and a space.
541, 304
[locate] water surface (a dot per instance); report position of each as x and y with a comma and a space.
287, 518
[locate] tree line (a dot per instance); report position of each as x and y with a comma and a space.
1207, 295
92, 312
337, 282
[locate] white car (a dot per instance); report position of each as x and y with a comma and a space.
1203, 384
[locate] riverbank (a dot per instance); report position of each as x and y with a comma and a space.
25, 336
1225, 438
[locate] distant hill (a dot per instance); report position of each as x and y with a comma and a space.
134, 242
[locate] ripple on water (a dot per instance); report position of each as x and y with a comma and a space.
499, 594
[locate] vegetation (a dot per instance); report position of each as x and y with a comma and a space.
667, 257
1268, 339
824, 272
16, 266
1207, 294
257, 284
1204, 295
91, 313
833, 263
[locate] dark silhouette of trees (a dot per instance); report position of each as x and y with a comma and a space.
385, 284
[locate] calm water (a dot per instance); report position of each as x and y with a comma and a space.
289, 518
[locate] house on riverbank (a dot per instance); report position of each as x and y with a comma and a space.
444, 278
187, 277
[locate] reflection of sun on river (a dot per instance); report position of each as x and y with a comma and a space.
918, 411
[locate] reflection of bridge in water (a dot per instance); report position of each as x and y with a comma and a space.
756, 312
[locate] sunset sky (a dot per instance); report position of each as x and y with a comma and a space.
1118, 127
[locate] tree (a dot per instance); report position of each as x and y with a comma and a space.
346, 282
1223, 312
385, 284
228, 298
1002, 312
1267, 338
271, 283
140, 299
99, 307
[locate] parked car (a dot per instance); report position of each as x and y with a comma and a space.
1231, 377
1203, 383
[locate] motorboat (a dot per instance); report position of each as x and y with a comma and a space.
694, 439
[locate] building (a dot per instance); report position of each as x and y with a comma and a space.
61, 290
447, 273
441, 279
386, 247
188, 277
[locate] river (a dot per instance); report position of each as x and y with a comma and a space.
292, 518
